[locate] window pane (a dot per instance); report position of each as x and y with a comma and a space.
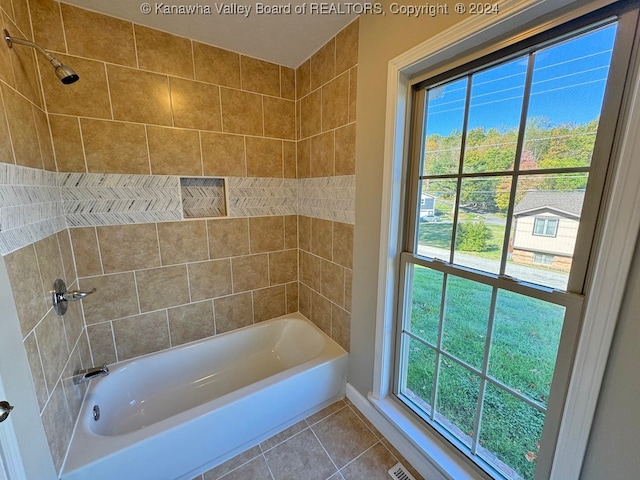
435, 231
457, 402
494, 117
444, 123
425, 301
418, 383
546, 218
510, 433
566, 98
481, 222
524, 345
466, 314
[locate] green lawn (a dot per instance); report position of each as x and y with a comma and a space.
523, 349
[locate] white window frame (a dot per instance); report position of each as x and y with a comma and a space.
545, 228
606, 282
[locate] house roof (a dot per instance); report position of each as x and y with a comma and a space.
563, 202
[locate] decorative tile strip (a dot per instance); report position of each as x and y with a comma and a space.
30, 208
252, 197
329, 198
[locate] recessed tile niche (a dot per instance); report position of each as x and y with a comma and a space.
203, 197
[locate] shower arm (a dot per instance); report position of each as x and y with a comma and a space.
21, 41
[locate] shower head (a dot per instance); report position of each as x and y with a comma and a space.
64, 73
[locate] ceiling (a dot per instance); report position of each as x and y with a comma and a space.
284, 38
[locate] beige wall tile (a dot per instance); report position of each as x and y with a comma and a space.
163, 53
303, 79
88, 97
66, 252
21, 17
323, 155
353, 88
228, 237
332, 282
67, 143
303, 158
215, 65
25, 72
304, 300
183, 242
162, 287
195, 105
343, 244
223, 154
304, 232
264, 157
22, 125
101, 341
347, 47
311, 114
49, 261
323, 64
232, 312
85, 248
47, 25
279, 118
210, 279
321, 312
346, 150
174, 151
322, 237
6, 70
140, 335
138, 96
73, 393
44, 139
241, 112
58, 425
6, 149
292, 297
26, 283
115, 297
291, 231
269, 303
73, 320
53, 347
191, 322
266, 234
341, 327
287, 83
260, 76
115, 147
250, 272
290, 160
37, 373
120, 247
283, 266
335, 103
97, 36
348, 281
310, 270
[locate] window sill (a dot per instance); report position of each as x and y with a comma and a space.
431, 457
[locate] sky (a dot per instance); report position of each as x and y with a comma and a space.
567, 87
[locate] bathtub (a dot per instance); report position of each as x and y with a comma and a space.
177, 413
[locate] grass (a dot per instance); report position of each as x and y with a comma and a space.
524, 344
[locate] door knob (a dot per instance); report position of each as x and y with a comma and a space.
5, 410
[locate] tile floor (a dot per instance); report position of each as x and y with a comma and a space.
337, 443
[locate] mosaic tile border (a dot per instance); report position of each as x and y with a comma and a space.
36, 203
31, 208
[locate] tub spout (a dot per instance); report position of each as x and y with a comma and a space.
90, 373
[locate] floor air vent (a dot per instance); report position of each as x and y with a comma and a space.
399, 472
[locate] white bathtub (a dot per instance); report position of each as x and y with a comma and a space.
177, 413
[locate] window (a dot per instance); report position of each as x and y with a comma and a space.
545, 227
478, 330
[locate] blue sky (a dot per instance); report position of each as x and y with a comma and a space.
567, 87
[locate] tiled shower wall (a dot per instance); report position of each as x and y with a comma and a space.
33, 229
151, 107
326, 91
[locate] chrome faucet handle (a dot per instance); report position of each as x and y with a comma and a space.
60, 297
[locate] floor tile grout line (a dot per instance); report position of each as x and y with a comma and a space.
236, 468
325, 450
